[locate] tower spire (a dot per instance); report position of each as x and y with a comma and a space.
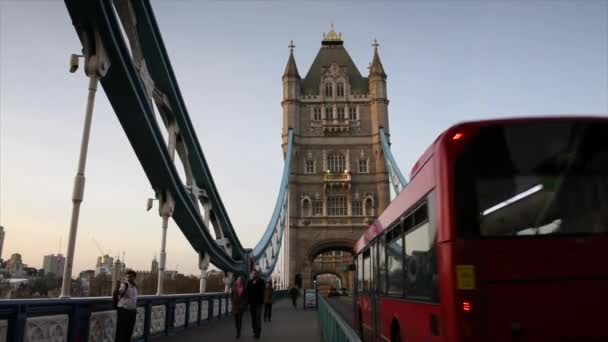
291, 70
376, 67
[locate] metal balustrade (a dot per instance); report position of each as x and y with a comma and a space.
94, 319
333, 327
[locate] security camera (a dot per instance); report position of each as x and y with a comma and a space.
74, 62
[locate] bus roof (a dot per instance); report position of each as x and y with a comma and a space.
421, 183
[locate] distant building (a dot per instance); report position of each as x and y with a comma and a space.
85, 279
30, 272
1, 240
53, 264
15, 266
154, 268
104, 265
171, 274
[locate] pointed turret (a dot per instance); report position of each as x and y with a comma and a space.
291, 93
291, 70
376, 68
377, 92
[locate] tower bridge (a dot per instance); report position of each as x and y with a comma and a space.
336, 176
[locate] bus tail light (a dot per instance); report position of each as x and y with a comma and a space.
466, 306
457, 136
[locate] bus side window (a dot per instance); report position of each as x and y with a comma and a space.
366, 270
360, 272
381, 280
394, 255
420, 258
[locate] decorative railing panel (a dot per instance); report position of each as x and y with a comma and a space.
158, 319
193, 312
216, 307
47, 329
138, 329
3, 330
180, 315
204, 310
102, 326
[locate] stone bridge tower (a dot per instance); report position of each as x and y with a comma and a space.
338, 182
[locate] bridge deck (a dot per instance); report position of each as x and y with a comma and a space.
287, 325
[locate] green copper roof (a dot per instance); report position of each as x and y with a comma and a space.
328, 54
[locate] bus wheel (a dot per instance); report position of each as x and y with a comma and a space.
396, 333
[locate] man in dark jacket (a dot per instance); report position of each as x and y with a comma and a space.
255, 297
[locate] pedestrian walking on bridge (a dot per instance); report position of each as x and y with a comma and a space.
293, 294
268, 294
126, 298
239, 303
255, 297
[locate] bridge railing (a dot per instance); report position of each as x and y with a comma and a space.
333, 327
94, 319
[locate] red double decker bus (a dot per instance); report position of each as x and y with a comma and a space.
501, 235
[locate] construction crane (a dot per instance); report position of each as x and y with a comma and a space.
98, 246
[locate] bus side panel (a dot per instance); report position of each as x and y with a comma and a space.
413, 319
448, 296
366, 324
449, 325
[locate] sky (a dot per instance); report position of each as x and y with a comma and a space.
447, 62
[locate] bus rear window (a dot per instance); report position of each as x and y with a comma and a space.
535, 178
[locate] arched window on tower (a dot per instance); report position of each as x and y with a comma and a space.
329, 113
340, 89
340, 112
357, 209
306, 207
329, 89
316, 113
369, 207
336, 163
352, 112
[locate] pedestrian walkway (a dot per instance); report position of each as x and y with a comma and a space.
287, 325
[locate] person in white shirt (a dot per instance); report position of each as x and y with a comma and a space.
127, 308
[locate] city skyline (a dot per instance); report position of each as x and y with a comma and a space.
445, 65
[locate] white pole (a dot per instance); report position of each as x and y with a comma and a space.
204, 265
78, 192
163, 258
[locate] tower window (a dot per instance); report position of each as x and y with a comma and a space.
329, 89
357, 208
329, 113
352, 113
306, 207
310, 166
336, 163
340, 111
316, 114
317, 208
363, 166
340, 89
369, 207
336, 205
